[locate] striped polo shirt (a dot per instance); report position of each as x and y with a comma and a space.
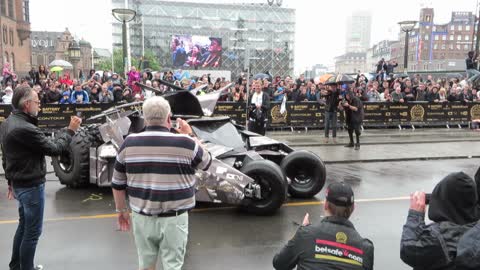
157, 169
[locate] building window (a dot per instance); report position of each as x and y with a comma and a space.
466, 46
434, 28
425, 66
451, 37
458, 47
452, 27
459, 37
11, 12
467, 37
26, 10
450, 46
436, 37
50, 59
467, 28
13, 61
6, 60
443, 46
426, 37
4, 7
40, 60
435, 46
5, 35
444, 37
11, 36
460, 28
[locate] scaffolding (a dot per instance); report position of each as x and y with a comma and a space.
255, 35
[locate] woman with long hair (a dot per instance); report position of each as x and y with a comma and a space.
41, 75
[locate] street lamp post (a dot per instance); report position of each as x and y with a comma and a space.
74, 55
124, 15
407, 27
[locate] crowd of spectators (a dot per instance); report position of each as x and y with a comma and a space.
109, 87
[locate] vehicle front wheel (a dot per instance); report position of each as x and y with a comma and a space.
306, 172
72, 167
273, 187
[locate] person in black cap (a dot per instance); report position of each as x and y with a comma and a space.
450, 241
213, 57
333, 243
353, 108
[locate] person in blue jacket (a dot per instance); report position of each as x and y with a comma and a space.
79, 96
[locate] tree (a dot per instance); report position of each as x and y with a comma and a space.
106, 64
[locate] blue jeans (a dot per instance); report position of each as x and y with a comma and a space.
331, 123
31, 202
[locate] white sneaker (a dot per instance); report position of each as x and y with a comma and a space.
38, 267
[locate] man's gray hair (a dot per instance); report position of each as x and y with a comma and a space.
156, 109
21, 95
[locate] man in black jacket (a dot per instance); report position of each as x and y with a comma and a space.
24, 147
258, 109
333, 243
447, 243
471, 63
353, 108
332, 98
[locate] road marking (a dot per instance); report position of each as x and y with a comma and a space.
201, 210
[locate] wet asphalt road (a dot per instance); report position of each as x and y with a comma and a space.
223, 238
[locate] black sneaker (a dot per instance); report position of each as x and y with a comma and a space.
357, 146
350, 145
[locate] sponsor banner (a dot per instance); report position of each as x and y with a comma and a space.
302, 114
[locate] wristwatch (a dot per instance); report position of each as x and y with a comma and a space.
124, 210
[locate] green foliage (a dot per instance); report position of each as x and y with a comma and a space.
106, 64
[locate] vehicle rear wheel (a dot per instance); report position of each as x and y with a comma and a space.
306, 172
73, 167
273, 187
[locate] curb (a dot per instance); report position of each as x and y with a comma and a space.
399, 159
377, 143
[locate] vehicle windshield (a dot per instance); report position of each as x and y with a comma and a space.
221, 132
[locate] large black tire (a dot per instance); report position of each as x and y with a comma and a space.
73, 167
273, 187
306, 172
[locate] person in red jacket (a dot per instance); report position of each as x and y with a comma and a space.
66, 79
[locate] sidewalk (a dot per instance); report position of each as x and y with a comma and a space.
382, 136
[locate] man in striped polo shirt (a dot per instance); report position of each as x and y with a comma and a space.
156, 168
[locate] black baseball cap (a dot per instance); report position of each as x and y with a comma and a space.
340, 194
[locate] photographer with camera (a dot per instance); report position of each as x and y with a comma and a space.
353, 107
445, 243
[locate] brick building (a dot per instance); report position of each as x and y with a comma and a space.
49, 46
438, 46
15, 35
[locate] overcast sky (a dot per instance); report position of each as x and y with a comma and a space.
320, 33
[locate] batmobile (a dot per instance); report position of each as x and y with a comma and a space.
252, 171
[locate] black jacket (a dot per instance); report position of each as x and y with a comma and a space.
333, 243
470, 63
332, 100
24, 147
439, 246
390, 68
259, 116
354, 119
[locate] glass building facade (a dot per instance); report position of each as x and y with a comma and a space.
255, 35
